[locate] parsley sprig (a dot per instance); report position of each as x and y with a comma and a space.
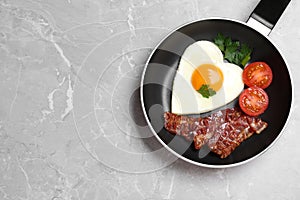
206, 91
233, 51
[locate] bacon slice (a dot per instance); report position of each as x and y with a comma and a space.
222, 131
192, 129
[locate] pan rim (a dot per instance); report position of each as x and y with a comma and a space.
189, 160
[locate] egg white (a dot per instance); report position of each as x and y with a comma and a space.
185, 99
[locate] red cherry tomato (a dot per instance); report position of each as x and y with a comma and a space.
253, 101
257, 74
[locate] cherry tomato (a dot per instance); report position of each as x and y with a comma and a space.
253, 101
257, 74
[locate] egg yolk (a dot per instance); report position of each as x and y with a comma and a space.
207, 74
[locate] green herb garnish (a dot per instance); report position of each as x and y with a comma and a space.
233, 51
206, 91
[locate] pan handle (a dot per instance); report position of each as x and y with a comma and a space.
266, 14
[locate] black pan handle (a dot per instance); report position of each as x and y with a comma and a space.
267, 13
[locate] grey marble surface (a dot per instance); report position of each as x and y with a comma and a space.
68, 66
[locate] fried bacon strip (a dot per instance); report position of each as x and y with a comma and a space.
222, 131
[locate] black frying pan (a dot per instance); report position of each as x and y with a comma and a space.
161, 67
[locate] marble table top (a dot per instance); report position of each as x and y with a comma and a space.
70, 115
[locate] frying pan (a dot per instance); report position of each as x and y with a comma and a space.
160, 69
